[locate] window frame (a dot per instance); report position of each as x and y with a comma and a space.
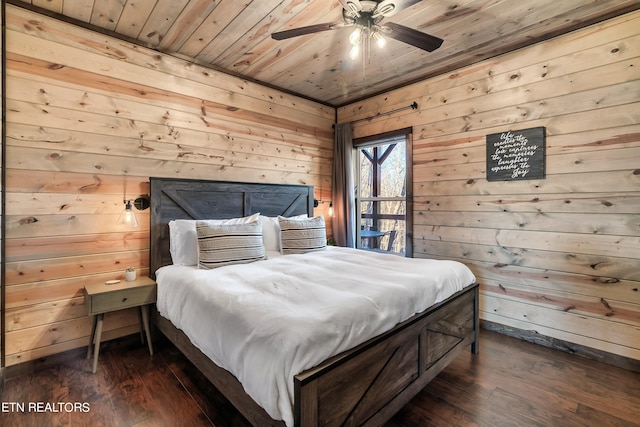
359, 143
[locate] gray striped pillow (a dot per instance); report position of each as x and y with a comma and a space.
227, 244
298, 236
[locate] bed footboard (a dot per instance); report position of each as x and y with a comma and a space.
367, 385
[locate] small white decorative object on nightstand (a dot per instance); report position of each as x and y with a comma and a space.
130, 274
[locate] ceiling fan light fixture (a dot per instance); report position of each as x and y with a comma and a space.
354, 52
380, 41
356, 36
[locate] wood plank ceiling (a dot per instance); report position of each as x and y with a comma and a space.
235, 36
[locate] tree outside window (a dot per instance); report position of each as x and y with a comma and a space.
381, 194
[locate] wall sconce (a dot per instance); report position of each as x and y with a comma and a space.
127, 216
317, 202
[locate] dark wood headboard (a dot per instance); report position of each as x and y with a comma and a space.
201, 199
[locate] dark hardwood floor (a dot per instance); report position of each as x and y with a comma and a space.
510, 383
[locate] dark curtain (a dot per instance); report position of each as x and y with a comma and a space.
343, 197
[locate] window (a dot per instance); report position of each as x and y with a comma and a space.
383, 192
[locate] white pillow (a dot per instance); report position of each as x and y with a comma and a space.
271, 231
299, 236
183, 240
220, 245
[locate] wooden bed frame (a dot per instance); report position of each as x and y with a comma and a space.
362, 386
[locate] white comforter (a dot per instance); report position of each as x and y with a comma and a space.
270, 320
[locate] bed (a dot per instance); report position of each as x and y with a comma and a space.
360, 385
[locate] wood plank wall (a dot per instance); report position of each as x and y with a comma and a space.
1, 189
559, 256
89, 119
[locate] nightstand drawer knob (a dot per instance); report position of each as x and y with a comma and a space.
124, 299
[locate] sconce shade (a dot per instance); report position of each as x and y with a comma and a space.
127, 216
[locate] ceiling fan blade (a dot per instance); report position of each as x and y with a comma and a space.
391, 7
413, 37
295, 32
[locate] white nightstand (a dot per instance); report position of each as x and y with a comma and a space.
101, 298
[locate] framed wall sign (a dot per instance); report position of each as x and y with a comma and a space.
516, 155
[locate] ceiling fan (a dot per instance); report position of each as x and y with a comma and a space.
367, 16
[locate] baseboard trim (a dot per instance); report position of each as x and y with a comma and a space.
568, 347
31, 366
